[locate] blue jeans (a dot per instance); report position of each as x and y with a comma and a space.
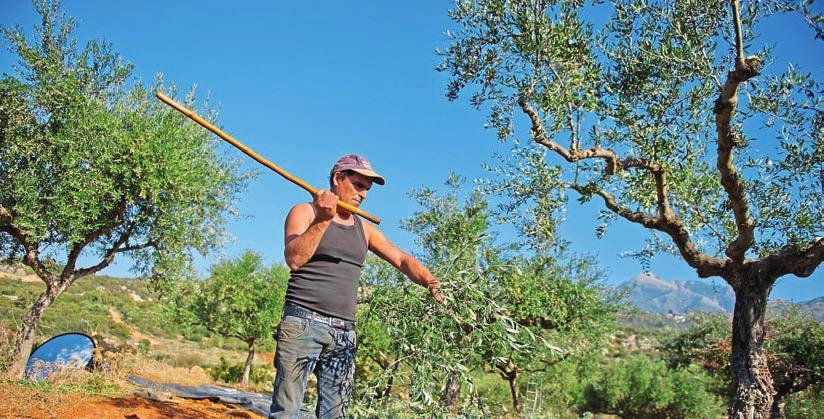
306, 346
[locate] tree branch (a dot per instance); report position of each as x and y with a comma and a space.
724, 109
704, 264
666, 221
78, 247
108, 258
614, 164
32, 256
150, 243
800, 262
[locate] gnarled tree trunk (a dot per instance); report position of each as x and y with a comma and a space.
250, 356
753, 396
26, 333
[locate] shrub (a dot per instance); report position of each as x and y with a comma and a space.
806, 404
187, 360
232, 373
143, 346
641, 387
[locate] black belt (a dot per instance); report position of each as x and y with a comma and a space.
311, 315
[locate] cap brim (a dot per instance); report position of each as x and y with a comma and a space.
371, 174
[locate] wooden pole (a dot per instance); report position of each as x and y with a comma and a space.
249, 152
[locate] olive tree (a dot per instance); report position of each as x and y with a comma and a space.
558, 298
626, 112
439, 345
241, 299
92, 168
495, 318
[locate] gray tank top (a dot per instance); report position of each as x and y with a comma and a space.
328, 283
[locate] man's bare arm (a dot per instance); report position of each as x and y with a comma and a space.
305, 227
404, 262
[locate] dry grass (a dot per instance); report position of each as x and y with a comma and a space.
70, 389
81, 393
23, 401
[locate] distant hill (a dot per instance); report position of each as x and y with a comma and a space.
655, 295
123, 311
814, 306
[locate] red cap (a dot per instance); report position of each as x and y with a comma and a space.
357, 164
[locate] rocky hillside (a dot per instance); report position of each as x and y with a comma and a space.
652, 294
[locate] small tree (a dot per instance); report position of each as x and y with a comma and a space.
557, 299
640, 387
629, 108
91, 168
495, 316
241, 299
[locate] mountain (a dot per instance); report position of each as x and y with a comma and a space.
653, 294
815, 306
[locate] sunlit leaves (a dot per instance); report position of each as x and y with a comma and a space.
504, 312
90, 160
241, 299
640, 77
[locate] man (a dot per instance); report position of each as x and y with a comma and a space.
325, 250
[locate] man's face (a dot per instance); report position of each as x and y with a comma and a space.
353, 188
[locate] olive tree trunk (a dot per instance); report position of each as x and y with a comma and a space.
250, 356
512, 378
24, 340
753, 398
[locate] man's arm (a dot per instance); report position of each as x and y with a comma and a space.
305, 227
402, 261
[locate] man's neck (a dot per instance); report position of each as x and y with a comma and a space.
344, 217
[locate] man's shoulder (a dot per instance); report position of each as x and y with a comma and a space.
303, 206
304, 209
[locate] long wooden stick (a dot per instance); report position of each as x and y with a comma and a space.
246, 150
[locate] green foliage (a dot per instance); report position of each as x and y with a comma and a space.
806, 404
143, 347
641, 387
795, 348
241, 299
706, 343
794, 344
643, 85
89, 161
503, 312
232, 373
88, 307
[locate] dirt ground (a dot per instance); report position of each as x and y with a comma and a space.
27, 403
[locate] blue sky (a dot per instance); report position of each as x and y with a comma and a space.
302, 83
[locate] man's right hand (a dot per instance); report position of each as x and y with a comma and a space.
326, 205
435, 293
